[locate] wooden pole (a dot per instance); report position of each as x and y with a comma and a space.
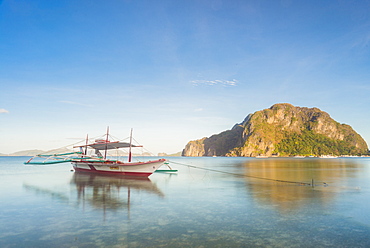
106, 143
87, 141
129, 153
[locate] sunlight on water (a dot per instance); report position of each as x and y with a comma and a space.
239, 202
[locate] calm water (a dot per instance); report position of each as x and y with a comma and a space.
50, 206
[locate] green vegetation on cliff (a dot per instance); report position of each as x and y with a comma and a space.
309, 143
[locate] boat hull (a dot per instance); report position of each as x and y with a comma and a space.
137, 169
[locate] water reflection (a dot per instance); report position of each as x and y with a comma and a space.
287, 183
100, 192
202, 208
110, 192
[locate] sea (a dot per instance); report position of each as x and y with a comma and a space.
209, 202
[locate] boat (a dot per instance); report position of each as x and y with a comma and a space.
98, 163
262, 156
328, 156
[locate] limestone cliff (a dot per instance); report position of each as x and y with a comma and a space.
282, 130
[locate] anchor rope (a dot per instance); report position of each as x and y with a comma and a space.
244, 175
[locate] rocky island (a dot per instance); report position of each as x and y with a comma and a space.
282, 130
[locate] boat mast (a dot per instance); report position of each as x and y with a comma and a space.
129, 152
87, 141
106, 143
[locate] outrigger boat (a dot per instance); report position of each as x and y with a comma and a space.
100, 164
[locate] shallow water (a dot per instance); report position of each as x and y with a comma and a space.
239, 202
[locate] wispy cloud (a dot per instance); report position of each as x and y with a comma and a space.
198, 110
233, 82
361, 43
76, 103
4, 111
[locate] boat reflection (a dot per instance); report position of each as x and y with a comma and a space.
287, 183
110, 192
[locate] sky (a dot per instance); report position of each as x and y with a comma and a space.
174, 70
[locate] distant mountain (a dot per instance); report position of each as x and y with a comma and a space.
282, 130
27, 153
177, 154
36, 152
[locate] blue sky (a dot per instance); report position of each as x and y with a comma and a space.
175, 71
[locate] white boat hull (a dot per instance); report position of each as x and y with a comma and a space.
142, 169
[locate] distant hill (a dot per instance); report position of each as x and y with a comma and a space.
27, 153
282, 130
36, 152
177, 154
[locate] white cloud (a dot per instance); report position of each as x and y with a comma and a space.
4, 111
215, 82
198, 110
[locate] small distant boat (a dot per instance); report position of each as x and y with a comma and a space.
328, 156
100, 164
261, 156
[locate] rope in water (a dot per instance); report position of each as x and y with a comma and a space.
244, 175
